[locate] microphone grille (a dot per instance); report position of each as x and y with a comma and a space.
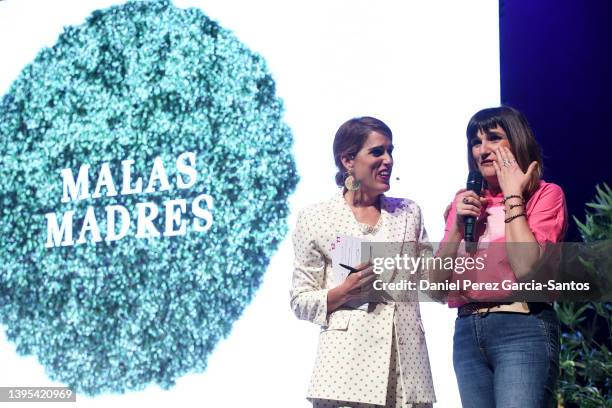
474, 181
475, 176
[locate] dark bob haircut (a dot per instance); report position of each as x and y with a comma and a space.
520, 136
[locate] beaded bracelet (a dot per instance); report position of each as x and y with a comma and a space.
506, 198
509, 219
512, 206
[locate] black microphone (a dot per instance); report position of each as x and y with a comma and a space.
474, 183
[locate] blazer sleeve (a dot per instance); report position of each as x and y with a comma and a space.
425, 247
308, 292
425, 252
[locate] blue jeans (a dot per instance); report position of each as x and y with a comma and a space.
507, 360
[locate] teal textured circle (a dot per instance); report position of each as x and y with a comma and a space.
136, 82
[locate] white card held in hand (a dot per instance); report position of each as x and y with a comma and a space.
346, 250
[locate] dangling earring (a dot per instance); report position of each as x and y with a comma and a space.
350, 182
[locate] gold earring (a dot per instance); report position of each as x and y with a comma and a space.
350, 182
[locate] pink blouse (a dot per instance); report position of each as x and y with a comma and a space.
547, 219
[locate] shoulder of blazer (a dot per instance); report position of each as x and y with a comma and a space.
320, 208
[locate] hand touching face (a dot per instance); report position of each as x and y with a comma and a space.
484, 150
492, 153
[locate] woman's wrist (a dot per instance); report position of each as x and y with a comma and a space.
336, 297
512, 195
456, 233
514, 206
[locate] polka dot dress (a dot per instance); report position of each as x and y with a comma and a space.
370, 358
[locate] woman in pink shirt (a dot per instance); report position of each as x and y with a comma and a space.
505, 352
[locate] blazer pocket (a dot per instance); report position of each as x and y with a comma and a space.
338, 320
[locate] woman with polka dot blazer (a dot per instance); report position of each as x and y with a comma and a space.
367, 358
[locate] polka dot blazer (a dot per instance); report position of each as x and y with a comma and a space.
355, 346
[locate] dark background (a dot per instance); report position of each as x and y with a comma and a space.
555, 63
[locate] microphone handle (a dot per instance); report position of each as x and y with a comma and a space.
470, 223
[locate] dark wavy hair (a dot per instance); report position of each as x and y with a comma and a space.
350, 138
520, 136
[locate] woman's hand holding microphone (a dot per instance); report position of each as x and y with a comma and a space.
468, 204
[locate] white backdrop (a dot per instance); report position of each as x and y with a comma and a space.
422, 67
